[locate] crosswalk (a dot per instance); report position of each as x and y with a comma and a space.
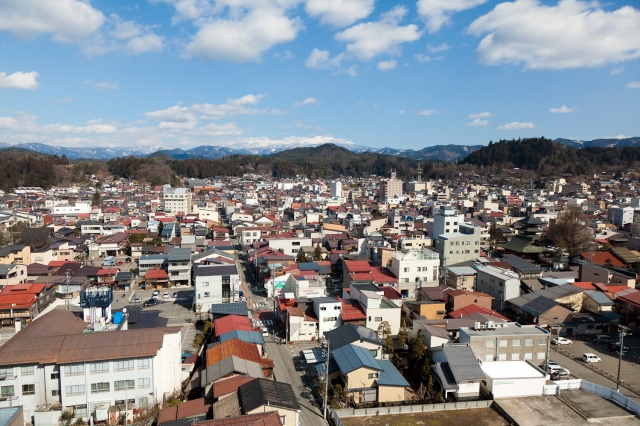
264, 322
261, 304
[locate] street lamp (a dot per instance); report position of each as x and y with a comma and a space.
623, 332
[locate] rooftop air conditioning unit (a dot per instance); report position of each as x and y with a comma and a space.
476, 325
490, 324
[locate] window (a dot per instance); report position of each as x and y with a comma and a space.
144, 382
206, 294
503, 343
435, 274
542, 341
144, 363
328, 319
99, 387
404, 280
226, 288
488, 357
528, 355
379, 319
406, 269
28, 389
123, 365
489, 344
515, 356
55, 375
205, 284
74, 370
80, 410
6, 371
502, 357
374, 352
120, 385
528, 342
541, 355
99, 367
7, 391
74, 390
373, 375
55, 392
515, 342
282, 420
27, 371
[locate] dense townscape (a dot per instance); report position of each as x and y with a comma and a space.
261, 300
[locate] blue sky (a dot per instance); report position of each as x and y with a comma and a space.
183, 73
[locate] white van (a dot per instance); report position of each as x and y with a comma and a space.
589, 358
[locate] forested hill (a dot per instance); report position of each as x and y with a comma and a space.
546, 156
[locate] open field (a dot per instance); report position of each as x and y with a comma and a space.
471, 417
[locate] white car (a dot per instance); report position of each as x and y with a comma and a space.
165, 295
155, 294
555, 367
561, 341
589, 358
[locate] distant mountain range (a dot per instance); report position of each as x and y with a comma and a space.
449, 153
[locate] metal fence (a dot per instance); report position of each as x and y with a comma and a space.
403, 409
605, 392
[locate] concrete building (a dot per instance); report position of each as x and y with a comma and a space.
376, 306
446, 221
179, 266
415, 269
620, 216
336, 189
327, 310
458, 247
510, 379
506, 342
391, 187
177, 200
12, 275
461, 277
215, 284
499, 283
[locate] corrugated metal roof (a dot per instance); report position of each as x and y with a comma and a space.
463, 362
444, 376
226, 366
261, 392
390, 376
351, 357
350, 333
599, 297
254, 337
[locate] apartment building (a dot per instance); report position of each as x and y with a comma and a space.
446, 220
506, 342
327, 310
57, 360
621, 216
12, 275
377, 308
389, 188
500, 283
179, 266
177, 200
291, 245
215, 284
415, 269
458, 247
15, 253
461, 277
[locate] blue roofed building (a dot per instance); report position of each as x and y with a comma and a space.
359, 336
364, 378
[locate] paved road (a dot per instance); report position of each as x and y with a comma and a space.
581, 371
285, 371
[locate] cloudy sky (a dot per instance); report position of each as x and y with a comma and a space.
183, 73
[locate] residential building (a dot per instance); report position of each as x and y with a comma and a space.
457, 371
179, 266
12, 275
350, 334
327, 310
15, 253
446, 220
506, 342
591, 272
177, 200
500, 283
215, 284
86, 372
261, 396
336, 189
461, 277
459, 299
390, 188
291, 245
620, 216
458, 247
415, 269
377, 308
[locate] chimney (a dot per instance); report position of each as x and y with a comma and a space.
18, 323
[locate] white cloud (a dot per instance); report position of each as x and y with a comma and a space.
339, 13
438, 12
64, 101
616, 137
145, 43
387, 65
438, 48
421, 57
427, 112
19, 80
249, 99
64, 20
367, 40
616, 71
320, 59
634, 85
103, 85
517, 126
306, 102
481, 115
401, 112
477, 122
284, 55
243, 37
562, 110
571, 34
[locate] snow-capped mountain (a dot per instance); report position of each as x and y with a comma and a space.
89, 153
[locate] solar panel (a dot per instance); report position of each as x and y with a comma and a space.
238, 308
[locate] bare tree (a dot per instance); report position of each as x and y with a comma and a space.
571, 232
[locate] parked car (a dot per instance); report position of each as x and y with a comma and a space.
137, 300
165, 295
561, 341
562, 374
604, 339
591, 358
128, 260
155, 294
615, 347
152, 301
554, 367
120, 263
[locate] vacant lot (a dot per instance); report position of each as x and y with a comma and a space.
472, 417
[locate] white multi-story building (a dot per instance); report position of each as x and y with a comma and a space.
446, 221
179, 266
620, 216
328, 310
208, 214
291, 245
376, 306
55, 360
415, 269
336, 189
78, 208
177, 200
215, 284
499, 283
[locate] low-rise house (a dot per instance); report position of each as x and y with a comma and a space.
461, 277
12, 275
457, 371
18, 253
357, 335
261, 396
215, 284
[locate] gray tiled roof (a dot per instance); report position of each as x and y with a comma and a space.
228, 365
351, 357
444, 376
463, 362
350, 333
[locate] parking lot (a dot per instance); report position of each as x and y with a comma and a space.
630, 370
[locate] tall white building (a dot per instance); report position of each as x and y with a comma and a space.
446, 220
336, 189
56, 359
499, 283
415, 269
391, 187
177, 200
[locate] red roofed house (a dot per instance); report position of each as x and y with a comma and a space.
601, 257
353, 267
24, 301
473, 309
157, 278
230, 323
458, 299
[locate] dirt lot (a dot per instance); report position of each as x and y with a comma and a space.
472, 417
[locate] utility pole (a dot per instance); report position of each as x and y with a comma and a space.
326, 379
623, 332
67, 279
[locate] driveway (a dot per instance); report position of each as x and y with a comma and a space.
286, 371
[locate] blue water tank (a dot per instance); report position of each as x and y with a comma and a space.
117, 318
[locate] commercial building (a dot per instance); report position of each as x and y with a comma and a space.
458, 247
499, 283
177, 200
390, 188
415, 269
336, 189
